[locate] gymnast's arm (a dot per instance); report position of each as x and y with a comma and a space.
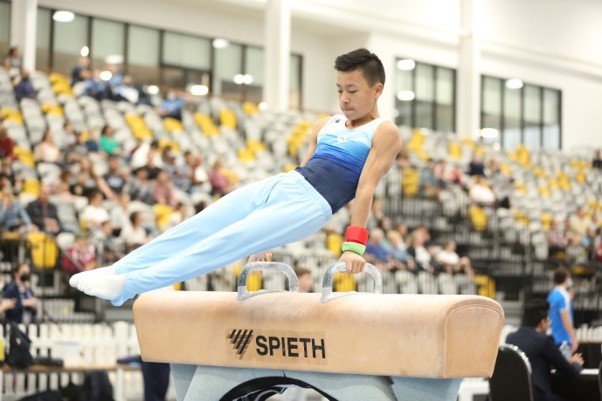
386, 144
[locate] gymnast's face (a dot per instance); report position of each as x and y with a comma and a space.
357, 98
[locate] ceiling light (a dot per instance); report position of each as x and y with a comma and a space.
514, 83
406, 64
199, 90
489, 133
85, 51
220, 43
106, 75
114, 59
152, 89
406, 96
63, 16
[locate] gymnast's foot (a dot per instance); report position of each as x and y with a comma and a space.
89, 274
106, 286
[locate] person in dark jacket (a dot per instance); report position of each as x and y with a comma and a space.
26, 304
542, 351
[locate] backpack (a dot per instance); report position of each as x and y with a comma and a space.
48, 395
18, 355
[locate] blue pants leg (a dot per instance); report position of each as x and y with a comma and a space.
283, 210
227, 210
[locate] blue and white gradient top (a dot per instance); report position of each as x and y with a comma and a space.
334, 169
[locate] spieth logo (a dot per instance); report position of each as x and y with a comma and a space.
240, 340
276, 346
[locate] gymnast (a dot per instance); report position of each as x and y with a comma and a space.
347, 156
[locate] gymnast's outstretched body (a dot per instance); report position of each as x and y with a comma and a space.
348, 155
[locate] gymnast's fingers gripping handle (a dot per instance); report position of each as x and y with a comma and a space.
243, 293
329, 295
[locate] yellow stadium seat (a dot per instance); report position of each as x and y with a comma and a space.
227, 118
253, 279
478, 217
250, 108
455, 150
485, 285
31, 186
343, 282
206, 124
162, 214
173, 125
334, 243
410, 182
44, 251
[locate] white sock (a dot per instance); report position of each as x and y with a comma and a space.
105, 286
79, 277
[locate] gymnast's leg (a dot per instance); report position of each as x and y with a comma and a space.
232, 207
293, 210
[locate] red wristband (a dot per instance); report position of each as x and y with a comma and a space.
356, 234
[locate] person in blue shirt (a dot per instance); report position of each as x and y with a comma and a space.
26, 304
172, 106
347, 156
561, 310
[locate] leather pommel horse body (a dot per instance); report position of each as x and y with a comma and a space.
348, 346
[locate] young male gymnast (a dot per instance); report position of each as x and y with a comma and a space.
347, 156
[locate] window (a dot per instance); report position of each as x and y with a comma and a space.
67, 42
253, 70
295, 82
186, 51
143, 54
520, 113
43, 35
425, 96
108, 43
228, 74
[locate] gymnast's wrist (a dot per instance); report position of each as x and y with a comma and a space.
356, 234
354, 247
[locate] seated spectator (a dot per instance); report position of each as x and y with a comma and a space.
47, 151
126, 91
476, 167
421, 252
13, 62
428, 183
77, 150
7, 145
43, 213
575, 252
542, 352
134, 234
557, 240
220, 183
396, 247
85, 181
148, 155
164, 192
304, 276
94, 214
140, 187
480, 192
597, 161
172, 106
116, 176
108, 143
578, 224
79, 257
109, 248
181, 213
80, 71
26, 304
588, 242
67, 137
24, 89
377, 251
13, 216
451, 263
96, 87
8, 176
120, 213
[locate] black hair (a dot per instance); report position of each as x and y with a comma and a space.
560, 275
535, 311
362, 59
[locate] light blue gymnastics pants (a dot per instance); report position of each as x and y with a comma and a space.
267, 214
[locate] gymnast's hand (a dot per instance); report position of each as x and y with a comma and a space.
265, 256
355, 263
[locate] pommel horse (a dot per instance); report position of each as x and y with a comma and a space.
225, 346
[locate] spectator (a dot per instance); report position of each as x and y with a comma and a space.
304, 276
164, 192
557, 240
43, 213
79, 257
7, 145
80, 71
26, 304
140, 187
47, 151
451, 262
597, 161
116, 176
578, 224
24, 89
109, 249
77, 150
13, 63
541, 351
13, 216
86, 181
429, 185
95, 87
377, 251
476, 166
172, 106
8, 176
108, 143
421, 252
94, 214
148, 155
182, 212
480, 192
134, 234
68, 137
220, 183
125, 91
561, 310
